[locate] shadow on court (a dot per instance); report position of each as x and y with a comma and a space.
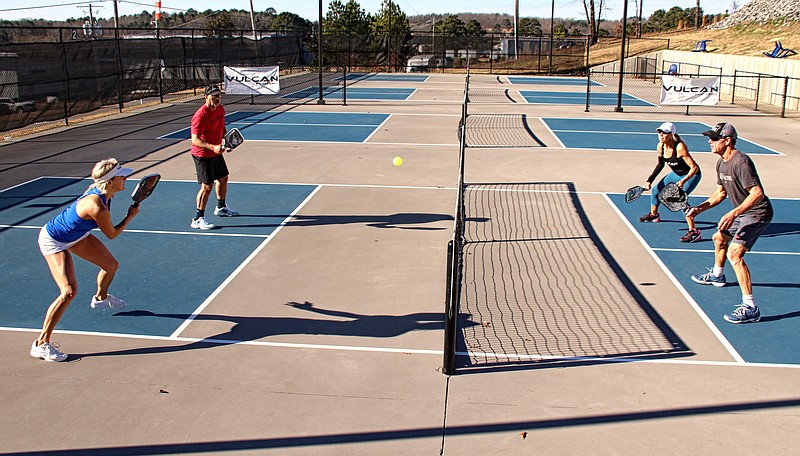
400, 220
254, 328
427, 432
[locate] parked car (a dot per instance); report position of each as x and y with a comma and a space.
10, 105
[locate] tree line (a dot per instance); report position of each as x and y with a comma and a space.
349, 17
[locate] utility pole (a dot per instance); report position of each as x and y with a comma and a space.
89, 31
116, 15
253, 21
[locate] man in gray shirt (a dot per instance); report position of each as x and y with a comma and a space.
738, 229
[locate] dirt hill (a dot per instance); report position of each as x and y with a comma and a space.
743, 39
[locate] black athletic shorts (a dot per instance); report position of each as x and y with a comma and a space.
210, 169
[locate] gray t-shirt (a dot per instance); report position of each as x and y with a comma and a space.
736, 176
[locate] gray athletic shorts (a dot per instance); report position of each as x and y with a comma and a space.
746, 229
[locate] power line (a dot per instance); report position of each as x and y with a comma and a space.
50, 6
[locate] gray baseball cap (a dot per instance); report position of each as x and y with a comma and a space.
721, 130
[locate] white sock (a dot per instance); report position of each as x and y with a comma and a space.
717, 271
748, 301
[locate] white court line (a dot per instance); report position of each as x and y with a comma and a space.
406, 351
20, 185
305, 124
351, 142
541, 119
376, 129
750, 252
241, 266
711, 326
191, 233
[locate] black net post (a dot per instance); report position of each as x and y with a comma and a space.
450, 317
785, 91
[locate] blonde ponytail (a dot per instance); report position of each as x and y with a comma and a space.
100, 169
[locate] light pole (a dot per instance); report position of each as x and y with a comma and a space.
516, 29
552, 21
319, 53
622, 55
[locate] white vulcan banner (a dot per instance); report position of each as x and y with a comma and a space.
252, 80
677, 90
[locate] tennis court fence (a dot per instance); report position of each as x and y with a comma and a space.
741, 92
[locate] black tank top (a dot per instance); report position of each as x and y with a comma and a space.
676, 163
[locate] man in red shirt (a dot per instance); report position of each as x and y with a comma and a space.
208, 129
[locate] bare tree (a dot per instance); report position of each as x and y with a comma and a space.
697, 15
594, 11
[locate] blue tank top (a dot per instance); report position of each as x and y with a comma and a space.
68, 226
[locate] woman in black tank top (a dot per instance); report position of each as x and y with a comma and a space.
684, 172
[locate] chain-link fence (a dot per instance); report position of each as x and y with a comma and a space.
743, 92
54, 74
57, 73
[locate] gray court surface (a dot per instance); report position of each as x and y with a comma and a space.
324, 334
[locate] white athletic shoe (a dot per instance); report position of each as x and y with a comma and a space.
110, 301
225, 212
201, 223
48, 352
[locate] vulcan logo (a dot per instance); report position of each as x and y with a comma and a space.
691, 89
258, 79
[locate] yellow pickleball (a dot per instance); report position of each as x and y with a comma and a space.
397, 161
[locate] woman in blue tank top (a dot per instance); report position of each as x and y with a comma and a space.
684, 172
70, 232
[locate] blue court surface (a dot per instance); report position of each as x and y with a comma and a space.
550, 81
579, 98
773, 263
299, 126
354, 93
394, 77
635, 135
166, 267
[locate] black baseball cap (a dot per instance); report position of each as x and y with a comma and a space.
212, 89
721, 130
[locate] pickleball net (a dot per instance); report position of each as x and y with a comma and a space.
455, 249
530, 281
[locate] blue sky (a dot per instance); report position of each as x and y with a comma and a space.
309, 8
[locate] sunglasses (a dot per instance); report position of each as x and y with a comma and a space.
718, 138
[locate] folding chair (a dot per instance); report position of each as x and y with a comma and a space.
775, 52
780, 52
700, 46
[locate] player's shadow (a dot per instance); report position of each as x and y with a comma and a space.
700, 224
405, 221
794, 314
776, 229
246, 329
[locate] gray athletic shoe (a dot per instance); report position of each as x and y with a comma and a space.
709, 279
744, 314
225, 212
